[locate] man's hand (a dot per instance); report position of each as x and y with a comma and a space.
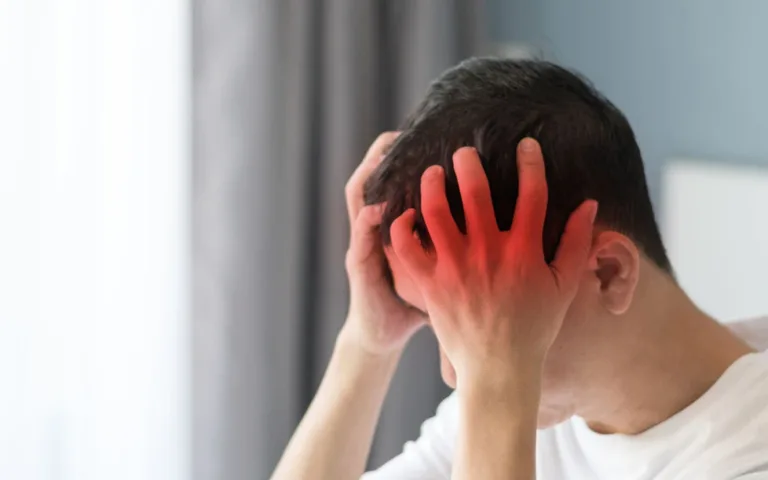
493, 300
378, 321
334, 437
495, 304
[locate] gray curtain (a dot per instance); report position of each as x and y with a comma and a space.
287, 96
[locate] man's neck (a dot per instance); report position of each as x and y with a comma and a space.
667, 357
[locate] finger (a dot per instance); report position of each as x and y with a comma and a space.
437, 214
531, 207
354, 188
573, 253
365, 235
475, 193
407, 246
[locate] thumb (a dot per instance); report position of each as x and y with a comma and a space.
365, 237
573, 253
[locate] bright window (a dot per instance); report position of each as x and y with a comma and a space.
94, 175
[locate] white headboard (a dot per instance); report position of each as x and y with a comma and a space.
715, 226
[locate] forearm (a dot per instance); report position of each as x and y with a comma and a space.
497, 432
334, 437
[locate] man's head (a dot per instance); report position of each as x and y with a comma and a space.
589, 150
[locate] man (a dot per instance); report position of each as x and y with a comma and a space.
513, 217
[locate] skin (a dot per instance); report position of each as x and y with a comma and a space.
600, 332
495, 305
334, 438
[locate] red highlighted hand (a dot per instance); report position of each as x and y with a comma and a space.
493, 300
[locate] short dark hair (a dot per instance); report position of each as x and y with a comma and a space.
491, 104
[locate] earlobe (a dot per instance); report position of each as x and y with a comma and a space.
616, 262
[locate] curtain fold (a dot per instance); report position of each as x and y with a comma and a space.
287, 97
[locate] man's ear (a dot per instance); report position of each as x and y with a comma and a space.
615, 262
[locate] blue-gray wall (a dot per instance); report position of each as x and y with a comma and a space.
691, 75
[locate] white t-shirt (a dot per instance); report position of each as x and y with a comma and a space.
721, 436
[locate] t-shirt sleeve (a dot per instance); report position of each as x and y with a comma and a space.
429, 457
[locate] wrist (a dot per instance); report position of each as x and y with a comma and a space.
351, 344
512, 381
355, 334
353, 372
498, 417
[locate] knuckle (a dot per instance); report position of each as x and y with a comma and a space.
351, 186
451, 268
367, 215
534, 181
380, 144
350, 260
477, 191
402, 243
351, 195
431, 209
534, 195
357, 228
362, 223
385, 138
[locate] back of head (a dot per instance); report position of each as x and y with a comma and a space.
491, 104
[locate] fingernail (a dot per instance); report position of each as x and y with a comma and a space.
593, 212
528, 145
434, 171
